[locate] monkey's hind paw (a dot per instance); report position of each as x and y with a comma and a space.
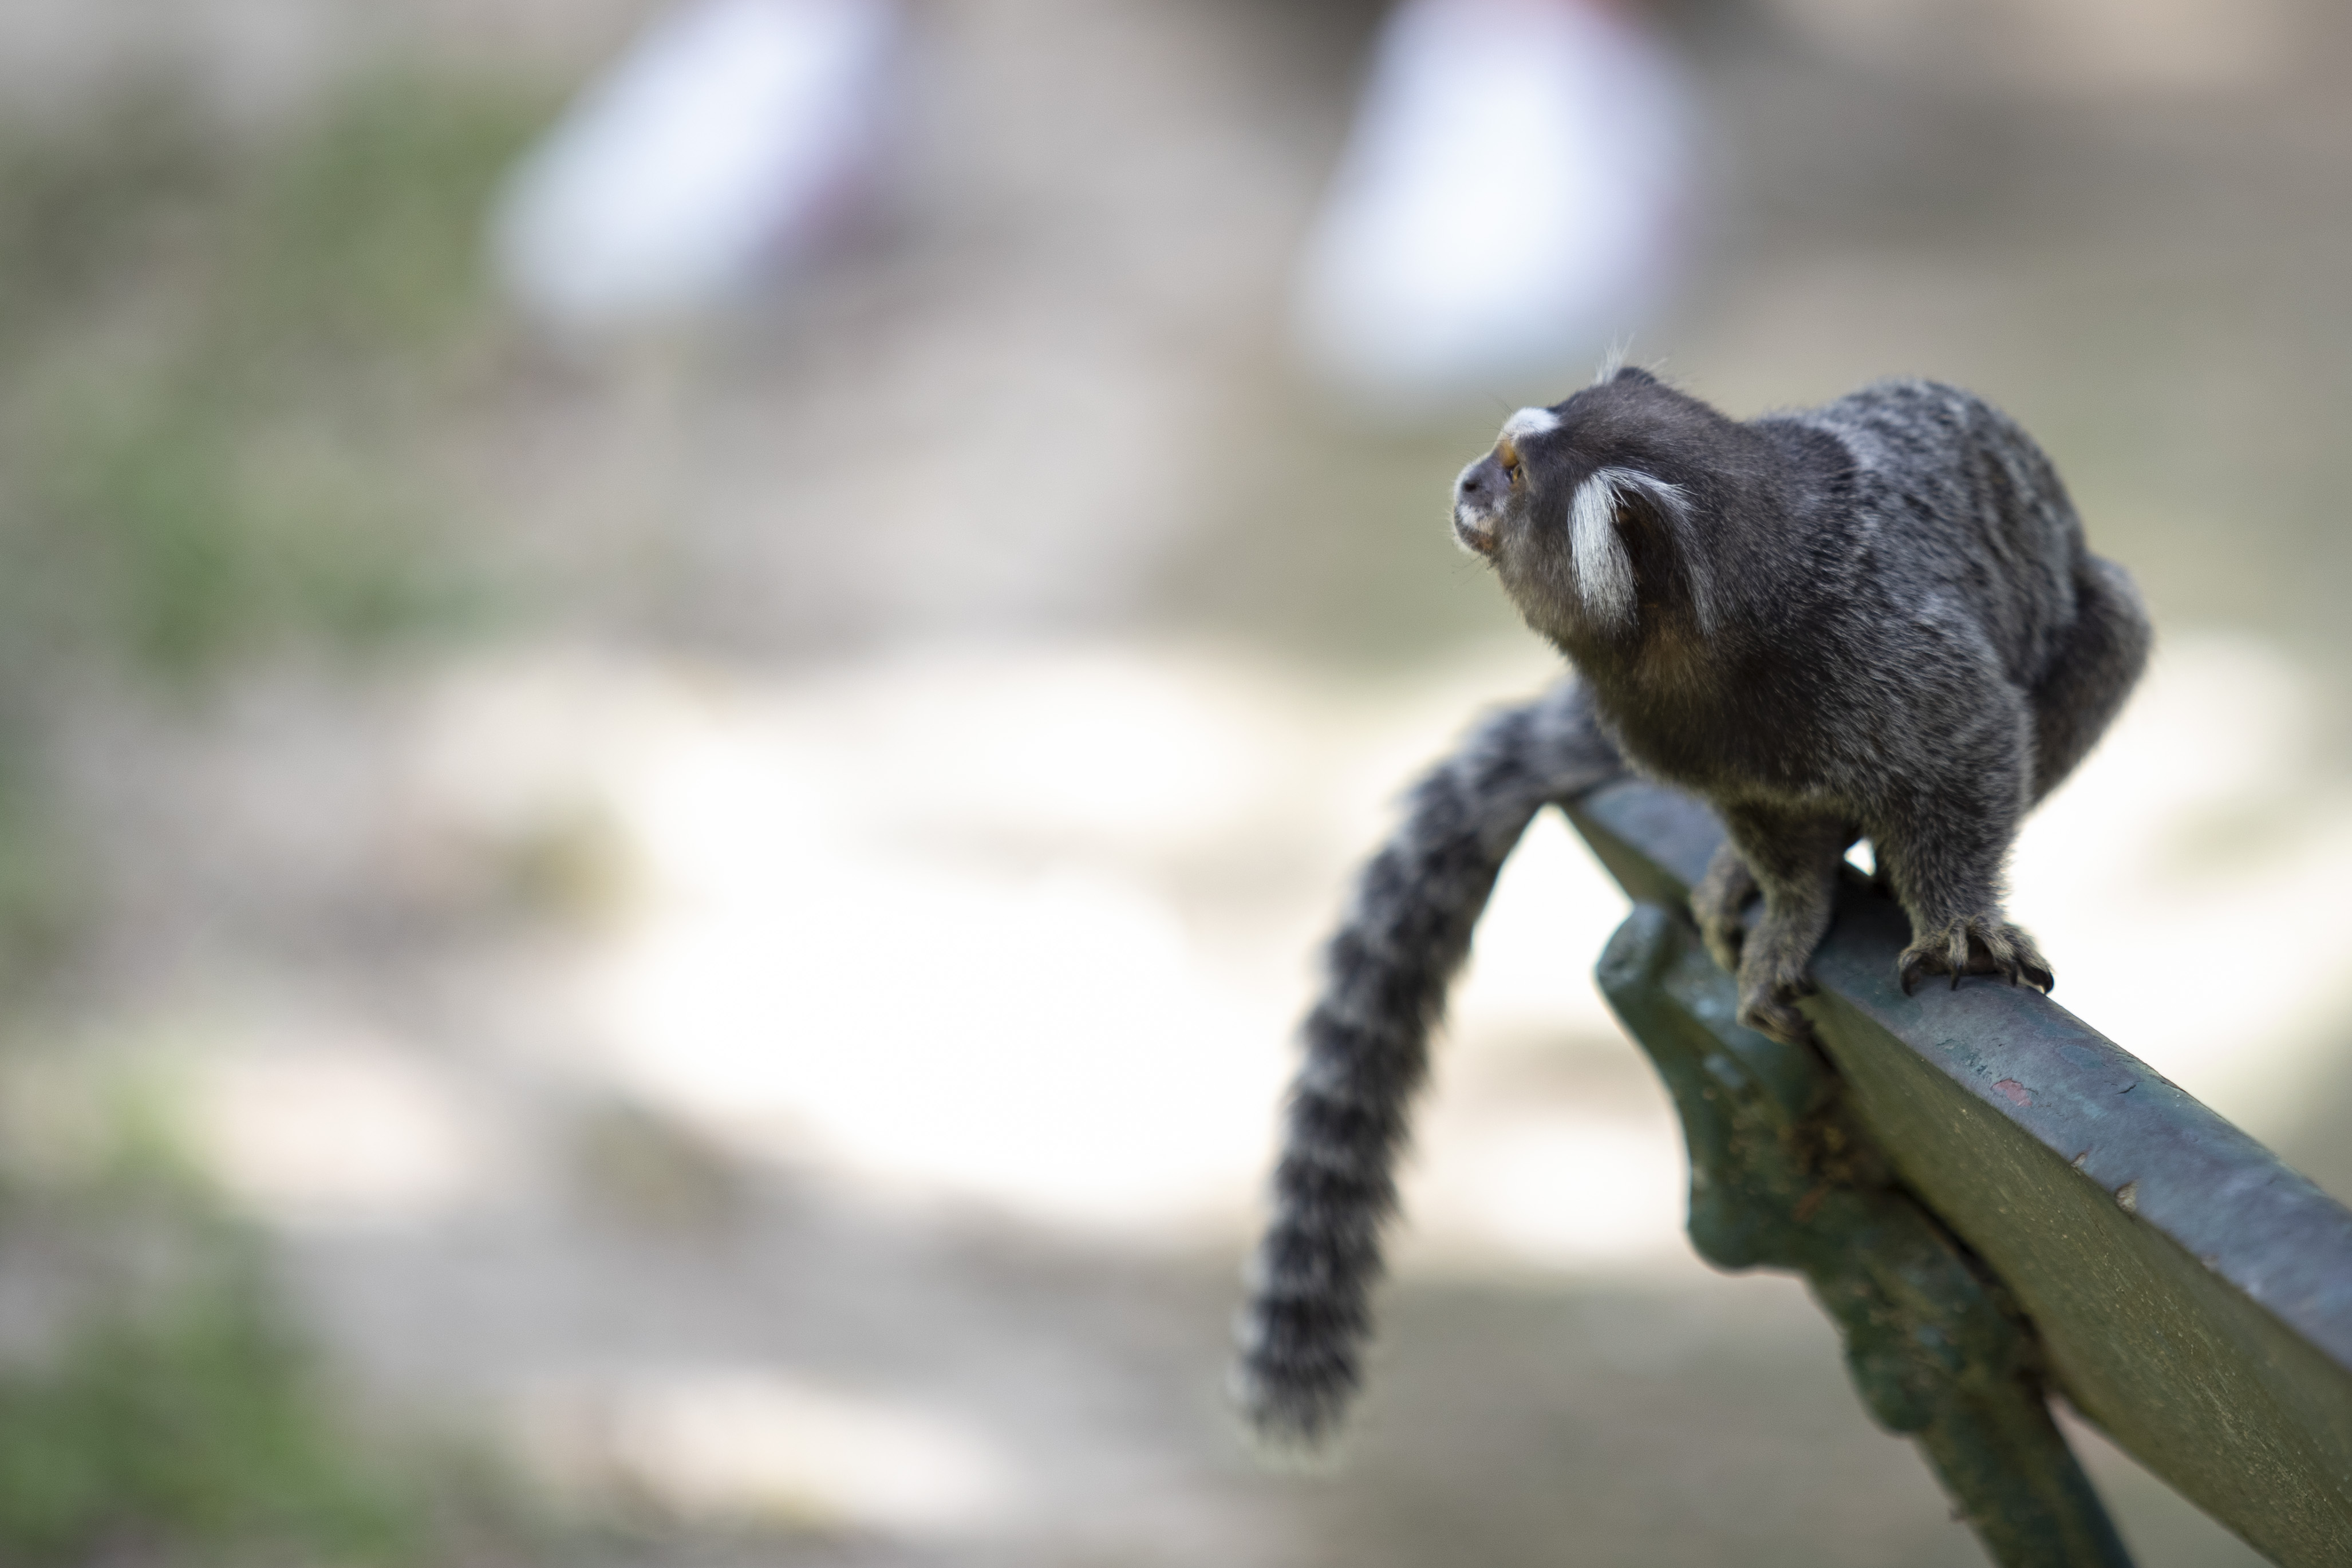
1976, 946
1772, 1010
1719, 903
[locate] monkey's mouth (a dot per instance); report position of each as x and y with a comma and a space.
1474, 531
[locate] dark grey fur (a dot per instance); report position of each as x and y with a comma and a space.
1873, 619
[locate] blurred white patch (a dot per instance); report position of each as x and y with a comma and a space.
1522, 1171
1531, 967
747, 1444
337, 1134
1511, 199
2184, 881
1562, 1188
1050, 1044
911, 919
728, 138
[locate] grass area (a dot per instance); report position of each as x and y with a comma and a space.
194, 1424
223, 360
224, 364
176, 1415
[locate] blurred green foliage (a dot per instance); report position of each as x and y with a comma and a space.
177, 1418
195, 1422
217, 355
226, 357
229, 360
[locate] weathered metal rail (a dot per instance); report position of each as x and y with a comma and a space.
1993, 1200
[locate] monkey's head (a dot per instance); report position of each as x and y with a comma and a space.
1592, 511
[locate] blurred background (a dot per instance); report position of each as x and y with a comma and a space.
681, 688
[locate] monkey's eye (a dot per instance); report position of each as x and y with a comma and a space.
1508, 452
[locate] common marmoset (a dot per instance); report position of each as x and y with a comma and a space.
1873, 619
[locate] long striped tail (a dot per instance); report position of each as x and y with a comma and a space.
1385, 976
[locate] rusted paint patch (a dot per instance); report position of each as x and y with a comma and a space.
2016, 1094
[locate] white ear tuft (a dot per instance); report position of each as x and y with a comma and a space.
1604, 572
1614, 362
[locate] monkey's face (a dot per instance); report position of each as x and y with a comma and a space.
1573, 513
1492, 496
1511, 510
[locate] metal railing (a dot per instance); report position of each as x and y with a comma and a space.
1993, 1201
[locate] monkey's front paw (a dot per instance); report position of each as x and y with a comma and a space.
1976, 946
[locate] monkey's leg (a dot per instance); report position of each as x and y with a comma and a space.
2096, 663
1946, 846
1719, 902
1793, 860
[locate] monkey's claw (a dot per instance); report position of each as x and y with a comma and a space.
1976, 946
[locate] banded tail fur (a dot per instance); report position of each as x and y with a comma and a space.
1385, 976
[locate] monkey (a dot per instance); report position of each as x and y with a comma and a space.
1877, 619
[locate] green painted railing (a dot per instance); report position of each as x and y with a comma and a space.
1995, 1202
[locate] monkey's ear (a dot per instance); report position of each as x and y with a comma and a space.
1604, 567
1636, 374
1603, 506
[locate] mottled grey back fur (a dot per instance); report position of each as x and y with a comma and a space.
1873, 619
